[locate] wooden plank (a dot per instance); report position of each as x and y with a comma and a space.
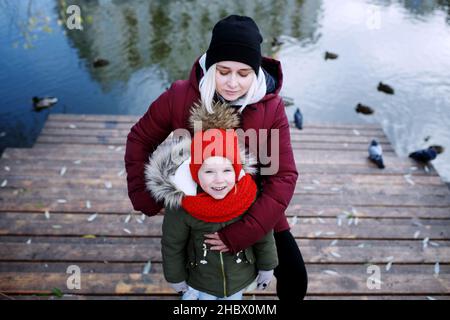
313, 251
376, 133
94, 182
323, 157
127, 278
337, 198
120, 133
117, 141
370, 212
26, 224
305, 170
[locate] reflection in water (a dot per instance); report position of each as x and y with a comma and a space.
152, 43
172, 34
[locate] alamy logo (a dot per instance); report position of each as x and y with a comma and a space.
374, 281
74, 280
74, 20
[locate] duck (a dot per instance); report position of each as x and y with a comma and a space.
360, 108
45, 102
99, 62
330, 55
276, 42
385, 88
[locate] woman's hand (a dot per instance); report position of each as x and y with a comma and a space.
216, 243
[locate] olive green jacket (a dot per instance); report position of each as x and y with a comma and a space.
185, 257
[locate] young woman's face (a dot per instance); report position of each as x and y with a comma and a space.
233, 79
216, 177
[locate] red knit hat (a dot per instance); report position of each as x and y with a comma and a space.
214, 143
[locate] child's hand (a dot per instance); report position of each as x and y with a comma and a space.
179, 287
264, 278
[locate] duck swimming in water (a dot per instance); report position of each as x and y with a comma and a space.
45, 102
360, 108
385, 88
330, 55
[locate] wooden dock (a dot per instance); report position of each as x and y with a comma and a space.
346, 215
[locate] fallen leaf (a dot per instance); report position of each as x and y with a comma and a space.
388, 266
147, 267
92, 217
330, 272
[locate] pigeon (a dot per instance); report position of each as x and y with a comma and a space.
360, 108
385, 88
439, 149
98, 63
45, 102
376, 154
298, 119
424, 155
330, 55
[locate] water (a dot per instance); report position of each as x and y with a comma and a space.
150, 44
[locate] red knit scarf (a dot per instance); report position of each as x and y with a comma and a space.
236, 202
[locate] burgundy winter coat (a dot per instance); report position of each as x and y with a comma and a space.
170, 111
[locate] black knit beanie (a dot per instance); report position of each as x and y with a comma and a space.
235, 38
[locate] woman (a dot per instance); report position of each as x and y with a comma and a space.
232, 70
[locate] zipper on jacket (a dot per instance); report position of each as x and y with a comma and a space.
223, 275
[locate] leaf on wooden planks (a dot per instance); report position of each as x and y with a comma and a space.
330, 272
92, 217
147, 267
436, 269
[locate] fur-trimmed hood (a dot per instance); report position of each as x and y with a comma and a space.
167, 174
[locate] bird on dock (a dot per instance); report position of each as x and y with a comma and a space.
99, 62
330, 55
298, 119
425, 155
385, 88
376, 154
360, 108
45, 102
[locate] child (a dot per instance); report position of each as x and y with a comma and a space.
211, 163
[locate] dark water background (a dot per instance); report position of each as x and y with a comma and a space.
152, 43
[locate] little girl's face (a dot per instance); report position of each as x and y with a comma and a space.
217, 177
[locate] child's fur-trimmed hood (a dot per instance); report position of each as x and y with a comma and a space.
167, 174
